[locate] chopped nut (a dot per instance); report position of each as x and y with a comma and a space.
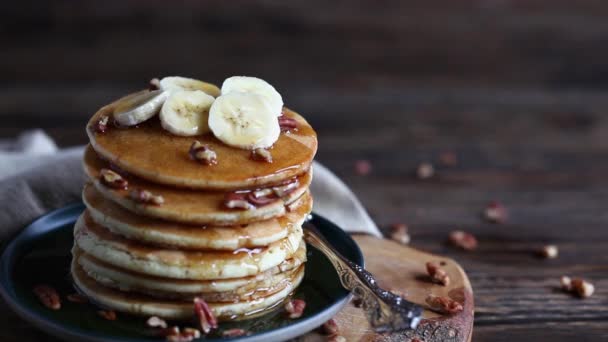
295, 308
237, 200
202, 153
287, 124
437, 274
582, 287
77, 298
154, 84
234, 332
448, 158
144, 196
495, 212
261, 154
205, 316
425, 171
443, 304
363, 167
336, 338
156, 322
286, 189
101, 126
566, 283
399, 233
549, 252
463, 240
330, 327
48, 296
263, 199
107, 314
112, 179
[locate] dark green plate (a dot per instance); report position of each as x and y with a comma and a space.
41, 254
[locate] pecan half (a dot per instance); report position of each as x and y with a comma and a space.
463, 240
237, 200
437, 274
425, 171
77, 298
112, 179
154, 84
205, 317
156, 322
495, 212
399, 233
202, 153
144, 196
107, 314
330, 327
287, 124
101, 126
48, 296
295, 308
443, 304
234, 332
261, 154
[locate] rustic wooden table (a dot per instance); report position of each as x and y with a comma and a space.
517, 90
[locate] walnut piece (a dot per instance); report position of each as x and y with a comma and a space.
295, 308
443, 304
577, 286
48, 296
204, 314
237, 200
112, 179
437, 274
202, 153
146, 197
464, 240
101, 126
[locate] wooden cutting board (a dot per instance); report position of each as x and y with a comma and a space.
401, 268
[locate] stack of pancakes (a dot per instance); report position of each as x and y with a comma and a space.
164, 232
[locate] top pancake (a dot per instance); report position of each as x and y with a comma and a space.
150, 152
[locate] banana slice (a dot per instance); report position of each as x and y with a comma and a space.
175, 83
244, 120
186, 113
255, 85
139, 107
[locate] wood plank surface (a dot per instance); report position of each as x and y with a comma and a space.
516, 89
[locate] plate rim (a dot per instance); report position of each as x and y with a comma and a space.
59, 217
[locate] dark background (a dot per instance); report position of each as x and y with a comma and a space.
517, 89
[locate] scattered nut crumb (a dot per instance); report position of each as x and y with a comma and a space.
399, 233
330, 327
577, 286
48, 296
437, 274
295, 308
336, 338
448, 158
443, 304
234, 332
112, 179
549, 252
495, 212
156, 322
77, 298
464, 240
154, 84
144, 196
363, 167
107, 314
261, 154
425, 171
204, 314
202, 153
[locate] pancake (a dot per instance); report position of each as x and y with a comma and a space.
165, 233
201, 265
152, 153
185, 205
240, 289
147, 306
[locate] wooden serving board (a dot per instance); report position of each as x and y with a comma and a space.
401, 268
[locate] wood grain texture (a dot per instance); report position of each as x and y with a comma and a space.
516, 89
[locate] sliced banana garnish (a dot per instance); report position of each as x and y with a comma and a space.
186, 113
139, 107
255, 85
176, 83
244, 120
